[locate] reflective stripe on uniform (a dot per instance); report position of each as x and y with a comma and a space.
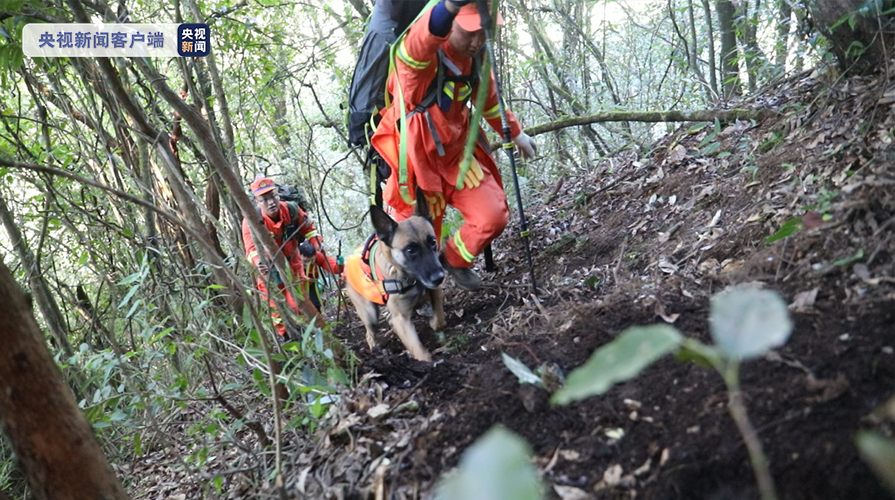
468, 257
465, 92
406, 59
492, 113
312, 234
252, 255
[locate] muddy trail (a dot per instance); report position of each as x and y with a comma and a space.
646, 240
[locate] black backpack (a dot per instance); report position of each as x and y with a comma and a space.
366, 95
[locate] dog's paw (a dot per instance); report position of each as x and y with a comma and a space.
437, 324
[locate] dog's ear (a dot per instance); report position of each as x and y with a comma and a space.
422, 206
384, 225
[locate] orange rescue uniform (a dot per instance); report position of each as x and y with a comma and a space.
484, 208
289, 250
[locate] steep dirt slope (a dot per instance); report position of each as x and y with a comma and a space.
639, 239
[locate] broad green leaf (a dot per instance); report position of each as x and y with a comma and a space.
696, 128
496, 467
879, 453
788, 228
521, 371
747, 322
623, 358
711, 148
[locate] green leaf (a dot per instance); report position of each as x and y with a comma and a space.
879, 453
118, 416
318, 409
160, 335
788, 228
521, 371
747, 322
707, 139
696, 128
130, 279
318, 341
623, 358
848, 260
496, 467
702, 355
711, 148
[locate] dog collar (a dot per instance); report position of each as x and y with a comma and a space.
386, 287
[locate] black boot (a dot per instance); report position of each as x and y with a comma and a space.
464, 277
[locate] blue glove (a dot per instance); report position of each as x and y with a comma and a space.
340, 260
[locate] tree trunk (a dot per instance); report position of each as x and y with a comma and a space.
859, 42
49, 309
706, 115
713, 68
781, 49
754, 58
730, 75
55, 445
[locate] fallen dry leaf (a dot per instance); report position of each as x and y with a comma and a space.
378, 410
812, 220
804, 301
571, 493
660, 312
643, 469
676, 154
612, 476
708, 266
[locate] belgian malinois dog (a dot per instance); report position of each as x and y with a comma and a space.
405, 271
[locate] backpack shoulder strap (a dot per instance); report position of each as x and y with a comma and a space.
293, 212
291, 231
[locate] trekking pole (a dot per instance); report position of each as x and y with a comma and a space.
485, 16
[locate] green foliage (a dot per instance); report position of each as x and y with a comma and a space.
774, 139
496, 467
622, 359
521, 371
858, 255
747, 322
790, 227
711, 144
879, 453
